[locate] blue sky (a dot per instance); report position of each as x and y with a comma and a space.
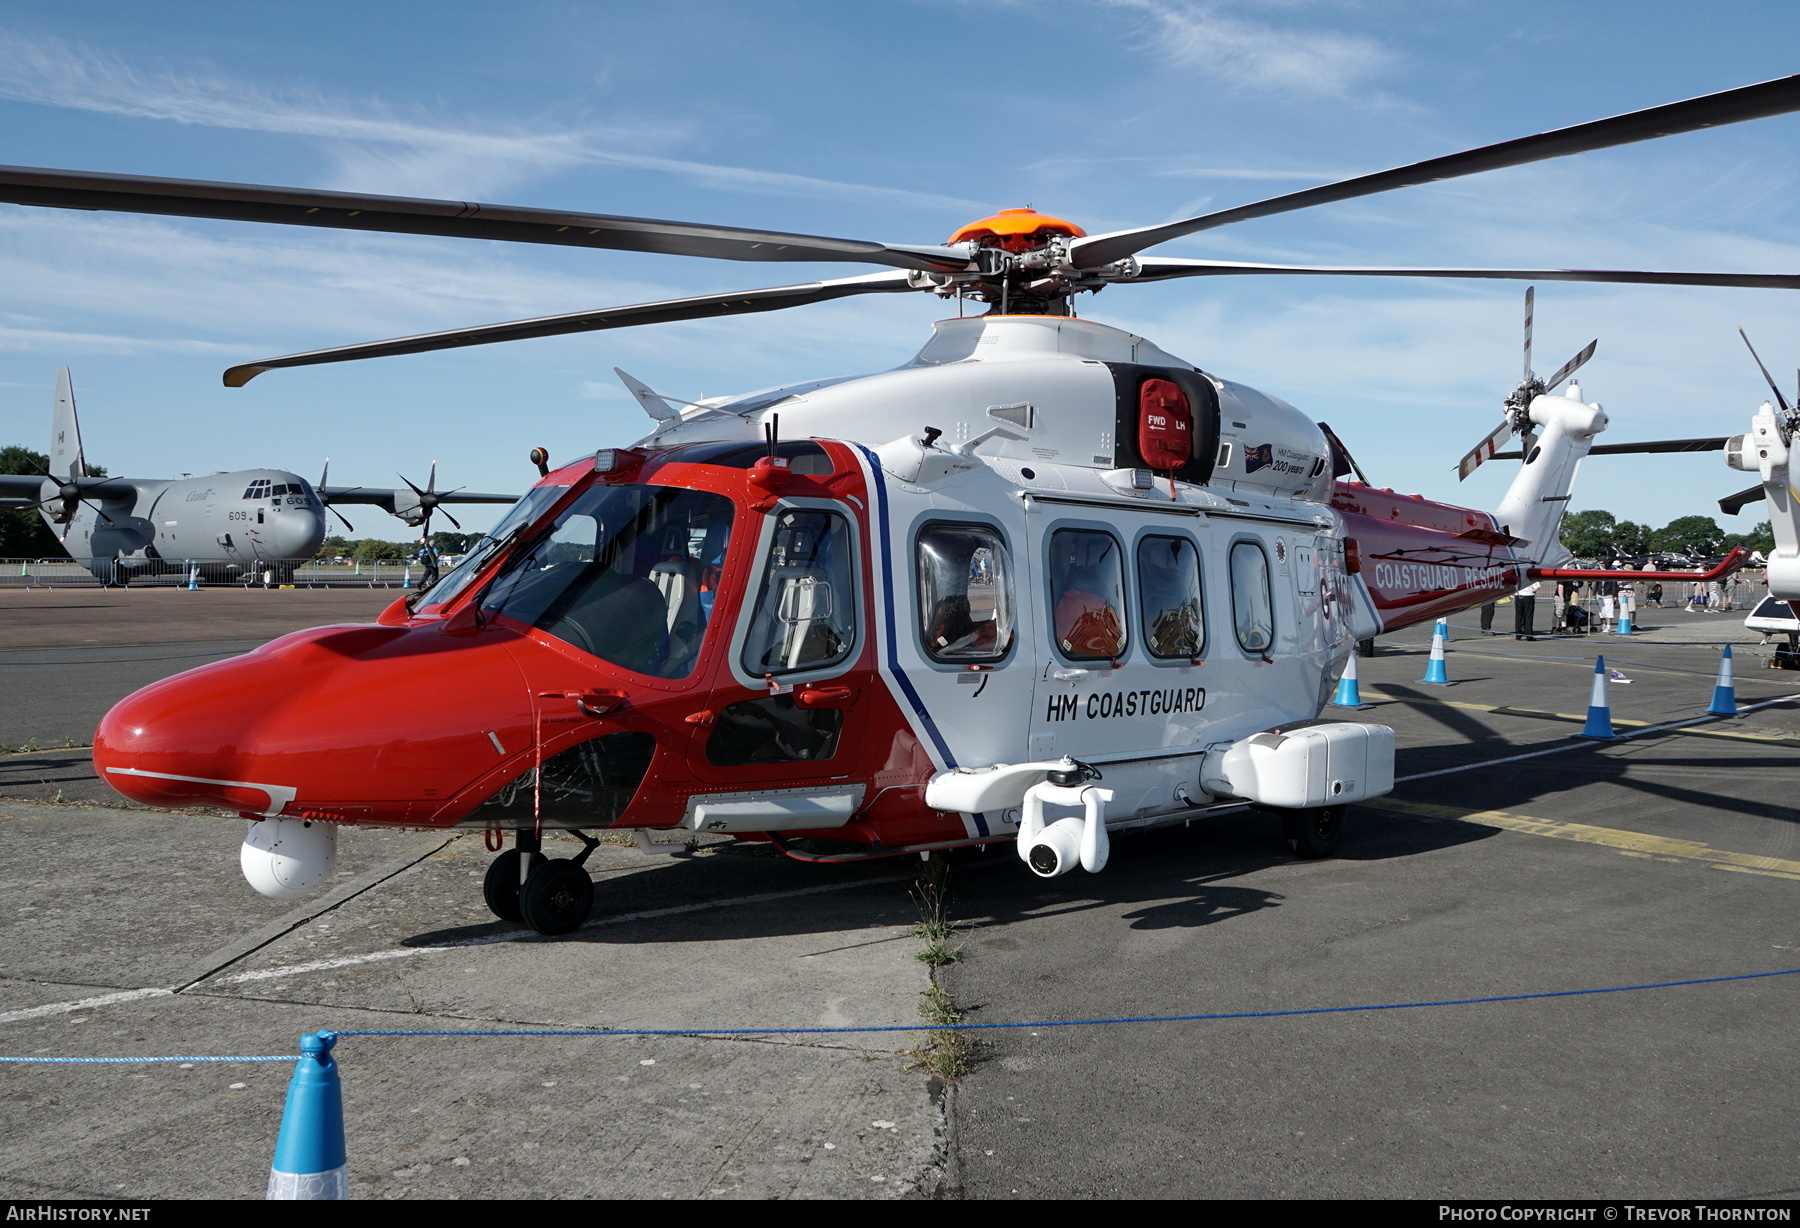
896, 121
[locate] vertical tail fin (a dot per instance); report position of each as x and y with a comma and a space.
66, 460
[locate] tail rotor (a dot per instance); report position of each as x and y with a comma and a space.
1517, 407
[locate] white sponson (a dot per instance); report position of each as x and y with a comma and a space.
1321, 765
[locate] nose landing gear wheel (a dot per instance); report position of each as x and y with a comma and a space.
1313, 833
501, 886
557, 896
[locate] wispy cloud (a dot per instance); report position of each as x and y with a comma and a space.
1232, 172
1256, 55
375, 147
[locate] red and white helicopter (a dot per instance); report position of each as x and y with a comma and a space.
1044, 564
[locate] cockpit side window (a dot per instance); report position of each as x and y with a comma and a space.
1087, 594
965, 593
622, 575
805, 612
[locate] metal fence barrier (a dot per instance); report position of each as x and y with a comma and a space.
210, 573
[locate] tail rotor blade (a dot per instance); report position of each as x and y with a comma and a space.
1572, 366
1483, 450
1767, 378
1731, 505
1530, 298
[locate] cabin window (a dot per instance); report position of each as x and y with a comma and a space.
805, 612
965, 593
621, 575
1169, 597
1252, 602
1087, 594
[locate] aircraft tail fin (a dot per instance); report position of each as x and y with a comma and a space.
66, 460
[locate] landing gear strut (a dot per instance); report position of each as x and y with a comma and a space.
552, 895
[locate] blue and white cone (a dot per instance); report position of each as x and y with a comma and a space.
1434, 668
1623, 626
1348, 696
1599, 717
309, 1153
193, 583
1724, 700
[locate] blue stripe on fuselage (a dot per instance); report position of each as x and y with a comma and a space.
893, 636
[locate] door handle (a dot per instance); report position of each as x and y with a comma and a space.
825, 697
592, 703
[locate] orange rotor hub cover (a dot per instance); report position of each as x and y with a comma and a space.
1017, 230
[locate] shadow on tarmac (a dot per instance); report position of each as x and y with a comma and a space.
1176, 878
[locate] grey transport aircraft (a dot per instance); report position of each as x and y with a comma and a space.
249, 521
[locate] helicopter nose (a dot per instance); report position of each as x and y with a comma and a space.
358, 723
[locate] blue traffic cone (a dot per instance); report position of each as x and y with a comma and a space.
1434, 668
1348, 696
1724, 700
193, 583
1599, 717
309, 1153
1623, 627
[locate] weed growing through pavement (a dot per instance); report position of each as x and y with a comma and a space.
945, 1051
931, 892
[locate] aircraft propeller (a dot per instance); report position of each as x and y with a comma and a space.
429, 501
68, 493
1518, 402
319, 491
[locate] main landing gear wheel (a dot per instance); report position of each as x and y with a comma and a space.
501, 886
557, 896
1313, 833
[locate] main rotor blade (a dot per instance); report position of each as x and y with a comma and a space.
1767, 378
1162, 268
247, 202
1758, 101
1731, 505
1483, 451
1530, 298
696, 308
1572, 366
1712, 444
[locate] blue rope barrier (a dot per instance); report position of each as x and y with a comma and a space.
945, 1027
80, 1061
1077, 1023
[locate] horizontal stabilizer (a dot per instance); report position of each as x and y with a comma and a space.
1731, 505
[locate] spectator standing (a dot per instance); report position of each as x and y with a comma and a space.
1524, 609
1608, 593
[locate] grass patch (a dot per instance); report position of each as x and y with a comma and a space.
931, 892
945, 1052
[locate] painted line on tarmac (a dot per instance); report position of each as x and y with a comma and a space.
1579, 743
1631, 843
349, 961
1571, 718
63, 1008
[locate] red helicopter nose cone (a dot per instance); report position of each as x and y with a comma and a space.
365, 723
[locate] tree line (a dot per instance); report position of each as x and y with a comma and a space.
1598, 535
372, 549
